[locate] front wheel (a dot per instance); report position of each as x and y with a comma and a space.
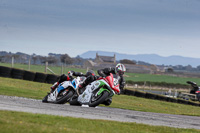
64, 97
44, 100
96, 100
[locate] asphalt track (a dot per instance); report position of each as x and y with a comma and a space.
36, 106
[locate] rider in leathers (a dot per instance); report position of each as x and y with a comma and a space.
118, 72
90, 76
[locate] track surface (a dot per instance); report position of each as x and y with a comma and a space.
114, 114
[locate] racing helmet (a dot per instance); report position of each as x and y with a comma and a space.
120, 69
90, 72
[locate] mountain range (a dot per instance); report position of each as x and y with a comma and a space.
149, 58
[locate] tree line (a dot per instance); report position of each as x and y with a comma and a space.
54, 59
60, 59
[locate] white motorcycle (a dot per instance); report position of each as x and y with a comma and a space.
64, 91
97, 92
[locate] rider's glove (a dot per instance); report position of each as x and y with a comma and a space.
81, 74
70, 73
118, 93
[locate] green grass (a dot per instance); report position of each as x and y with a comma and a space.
156, 106
130, 76
160, 78
18, 122
22, 88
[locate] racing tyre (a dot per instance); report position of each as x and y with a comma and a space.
28, 75
198, 97
44, 100
5, 71
40, 77
51, 78
74, 101
17, 73
96, 100
64, 96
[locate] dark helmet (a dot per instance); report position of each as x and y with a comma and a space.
90, 72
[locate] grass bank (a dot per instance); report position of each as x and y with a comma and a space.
153, 79
18, 122
23, 88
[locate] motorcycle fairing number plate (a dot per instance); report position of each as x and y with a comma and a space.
86, 96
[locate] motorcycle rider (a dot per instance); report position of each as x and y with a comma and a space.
118, 72
89, 78
195, 87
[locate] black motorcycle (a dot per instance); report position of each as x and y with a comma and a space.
195, 89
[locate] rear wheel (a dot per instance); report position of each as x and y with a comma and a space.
64, 96
74, 101
96, 100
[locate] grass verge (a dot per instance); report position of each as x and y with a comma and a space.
23, 88
156, 106
19, 122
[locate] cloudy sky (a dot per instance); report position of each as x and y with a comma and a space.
163, 27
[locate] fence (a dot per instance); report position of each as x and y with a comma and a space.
159, 97
29, 63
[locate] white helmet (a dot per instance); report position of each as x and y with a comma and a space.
120, 68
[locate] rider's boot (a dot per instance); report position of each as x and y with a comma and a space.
107, 102
80, 88
55, 85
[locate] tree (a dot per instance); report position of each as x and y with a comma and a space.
170, 70
188, 68
66, 59
1, 58
126, 61
78, 60
198, 67
178, 67
42, 59
143, 63
52, 60
34, 59
8, 58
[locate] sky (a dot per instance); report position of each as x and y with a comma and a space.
163, 27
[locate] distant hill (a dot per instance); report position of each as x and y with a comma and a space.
149, 58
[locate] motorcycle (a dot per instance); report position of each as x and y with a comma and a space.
97, 92
195, 90
64, 91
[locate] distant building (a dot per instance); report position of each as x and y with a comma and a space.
102, 59
110, 61
100, 62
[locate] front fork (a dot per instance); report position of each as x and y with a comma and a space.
101, 90
111, 93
